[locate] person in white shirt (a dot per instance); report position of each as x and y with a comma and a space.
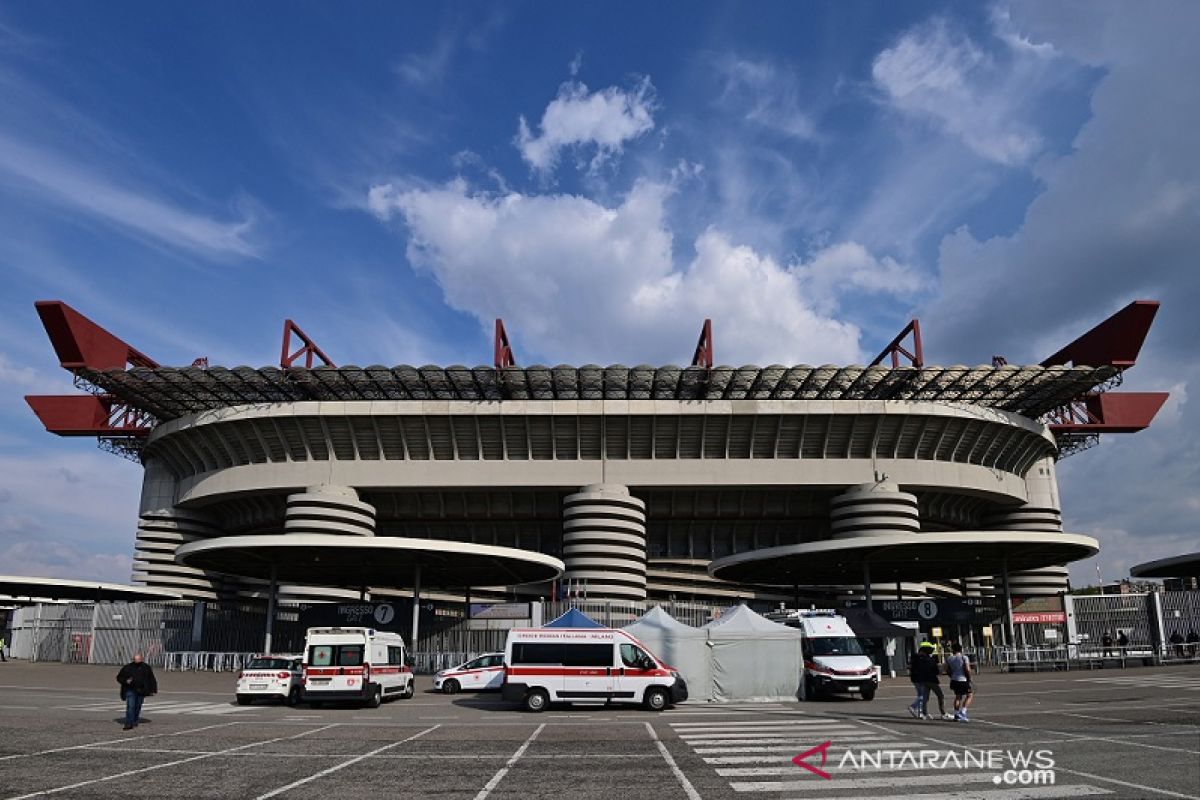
959, 670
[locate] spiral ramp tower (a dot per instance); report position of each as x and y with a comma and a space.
604, 542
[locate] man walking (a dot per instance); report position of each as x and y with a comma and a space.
137, 683
959, 670
924, 674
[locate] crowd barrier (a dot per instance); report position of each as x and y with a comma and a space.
1075, 657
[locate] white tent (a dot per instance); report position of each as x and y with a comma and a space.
753, 658
683, 647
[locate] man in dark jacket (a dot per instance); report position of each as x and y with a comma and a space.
137, 683
923, 672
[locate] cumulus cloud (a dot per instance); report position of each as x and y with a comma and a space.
585, 282
577, 118
938, 74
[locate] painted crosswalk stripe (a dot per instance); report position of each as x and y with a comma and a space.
1006, 793
817, 784
688, 735
783, 755
732, 726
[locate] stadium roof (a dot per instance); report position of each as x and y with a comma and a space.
26, 586
169, 392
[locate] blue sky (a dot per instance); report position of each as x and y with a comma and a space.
603, 177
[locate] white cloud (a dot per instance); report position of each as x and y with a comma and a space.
766, 95
583, 282
66, 182
937, 74
577, 118
56, 559
1116, 220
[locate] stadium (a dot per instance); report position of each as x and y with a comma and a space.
703, 483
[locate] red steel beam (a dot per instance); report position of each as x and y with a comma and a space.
82, 344
703, 357
1108, 412
896, 348
502, 352
1114, 342
308, 348
88, 415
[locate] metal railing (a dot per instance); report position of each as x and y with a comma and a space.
201, 661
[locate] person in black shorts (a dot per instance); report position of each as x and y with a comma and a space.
959, 670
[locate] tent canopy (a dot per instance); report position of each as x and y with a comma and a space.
574, 618
739, 621
869, 625
661, 622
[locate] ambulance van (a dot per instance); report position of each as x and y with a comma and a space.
360, 664
585, 665
834, 659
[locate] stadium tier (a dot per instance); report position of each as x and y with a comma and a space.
703, 482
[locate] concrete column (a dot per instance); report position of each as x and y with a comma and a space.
604, 542
416, 606
272, 591
874, 509
1040, 513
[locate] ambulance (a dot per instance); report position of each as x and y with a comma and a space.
585, 666
360, 664
834, 660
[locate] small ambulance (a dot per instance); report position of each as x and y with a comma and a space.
585, 665
484, 672
834, 660
360, 664
273, 677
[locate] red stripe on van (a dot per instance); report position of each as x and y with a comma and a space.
573, 672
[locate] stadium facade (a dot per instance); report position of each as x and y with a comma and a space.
637, 478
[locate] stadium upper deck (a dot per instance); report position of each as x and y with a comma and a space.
637, 477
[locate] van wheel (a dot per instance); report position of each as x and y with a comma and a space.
536, 701
656, 699
293, 697
451, 687
243, 701
868, 694
410, 691
376, 698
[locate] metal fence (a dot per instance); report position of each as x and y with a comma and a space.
218, 637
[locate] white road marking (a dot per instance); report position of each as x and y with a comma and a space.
154, 767
500, 773
1015, 793
838, 783
343, 765
123, 739
688, 789
1058, 768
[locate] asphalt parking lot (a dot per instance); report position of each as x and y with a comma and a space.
1111, 733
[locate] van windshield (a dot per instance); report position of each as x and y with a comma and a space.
836, 646
335, 655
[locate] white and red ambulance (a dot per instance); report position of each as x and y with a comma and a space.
585, 665
835, 661
478, 674
360, 664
